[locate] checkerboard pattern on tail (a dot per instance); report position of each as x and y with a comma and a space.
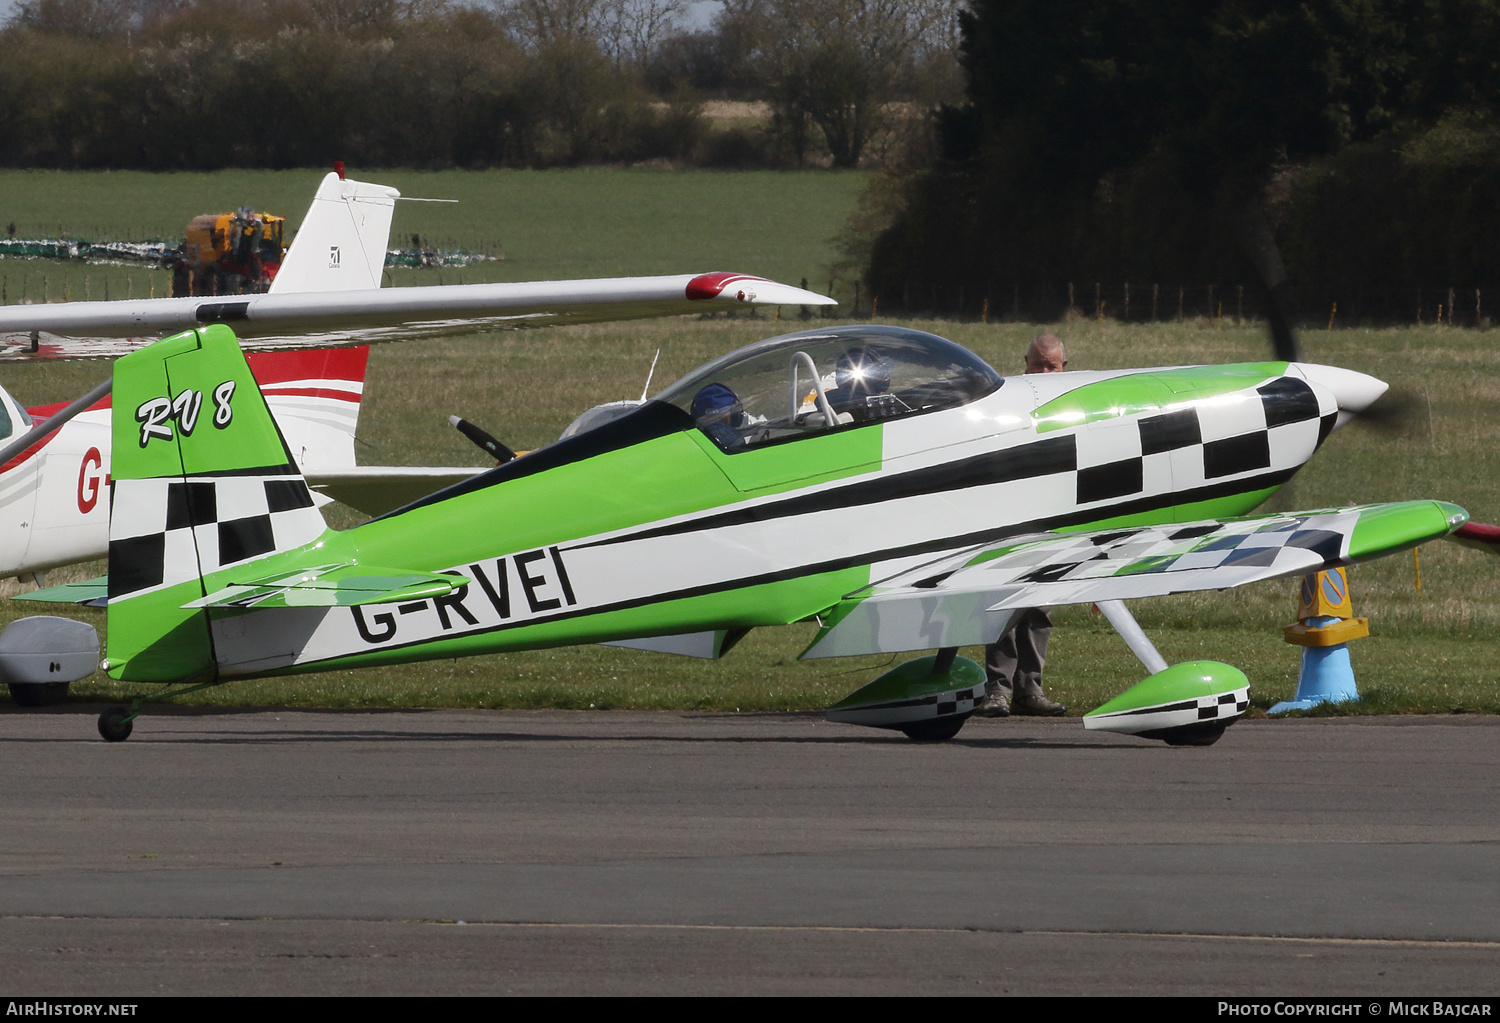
172, 530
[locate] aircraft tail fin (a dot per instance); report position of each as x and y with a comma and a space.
342, 241
203, 485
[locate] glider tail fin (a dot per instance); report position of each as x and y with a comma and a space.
203, 484
342, 241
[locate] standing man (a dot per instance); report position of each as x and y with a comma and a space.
1013, 663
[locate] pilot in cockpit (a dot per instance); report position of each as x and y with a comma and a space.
719, 414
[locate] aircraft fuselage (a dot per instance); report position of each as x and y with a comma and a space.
646, 527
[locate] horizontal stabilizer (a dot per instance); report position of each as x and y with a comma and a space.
377, 489
344, 585
89, 592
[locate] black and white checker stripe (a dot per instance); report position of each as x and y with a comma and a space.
1211, 439
894, 713
165, 531
1225, 707
961, 702
1160, 549
1123, 564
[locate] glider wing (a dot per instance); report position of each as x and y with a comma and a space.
322, 319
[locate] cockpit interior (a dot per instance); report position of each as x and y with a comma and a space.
812, 381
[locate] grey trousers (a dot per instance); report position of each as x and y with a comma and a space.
1013, 663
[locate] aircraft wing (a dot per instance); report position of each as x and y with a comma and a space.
90, 593
377, 489
967, 598
321, 319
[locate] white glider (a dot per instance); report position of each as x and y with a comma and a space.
328, 294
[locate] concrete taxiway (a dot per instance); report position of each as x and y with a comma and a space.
464, 852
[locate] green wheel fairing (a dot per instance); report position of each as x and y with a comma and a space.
912, 694
1188, 704
913, 679
1186, 681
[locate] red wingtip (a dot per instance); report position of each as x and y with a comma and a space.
706, 286
338, 168
1478, 532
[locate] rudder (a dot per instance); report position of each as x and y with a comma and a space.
341, 243
202, 483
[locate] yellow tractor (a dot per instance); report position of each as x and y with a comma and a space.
228, 254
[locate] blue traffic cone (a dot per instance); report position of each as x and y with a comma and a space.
1324, 632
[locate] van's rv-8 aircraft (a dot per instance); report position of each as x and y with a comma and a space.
880, 480
327, 292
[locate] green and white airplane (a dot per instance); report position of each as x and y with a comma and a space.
880, 480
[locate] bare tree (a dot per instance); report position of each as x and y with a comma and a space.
625, 31
539, 24
638, 27
841, 63
348, 15
79, 19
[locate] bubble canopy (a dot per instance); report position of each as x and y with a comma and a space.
813, 381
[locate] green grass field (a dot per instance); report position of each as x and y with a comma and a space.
1434, 652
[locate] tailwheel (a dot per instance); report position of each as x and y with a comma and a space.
116, 724
936, 730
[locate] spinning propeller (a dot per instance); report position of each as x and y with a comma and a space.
1396, 413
